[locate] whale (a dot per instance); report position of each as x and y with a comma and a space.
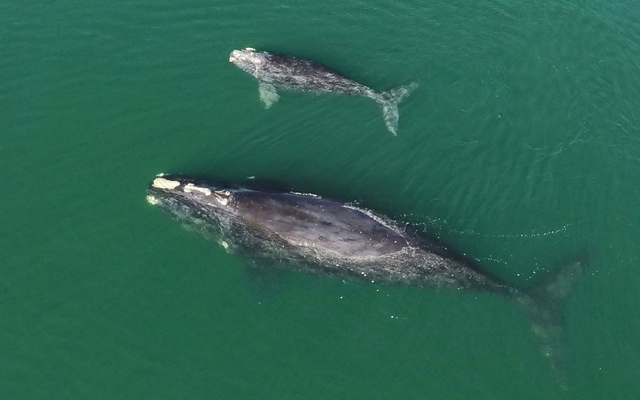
308, 233
276, 70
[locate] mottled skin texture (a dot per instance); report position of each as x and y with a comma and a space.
295, 73
313, 222
275, 70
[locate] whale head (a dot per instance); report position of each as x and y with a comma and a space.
248, 60
172, 189
204, 206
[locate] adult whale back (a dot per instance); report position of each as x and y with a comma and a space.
309, 233
275, 70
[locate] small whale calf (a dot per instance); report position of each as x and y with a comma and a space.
308, 233
274, 70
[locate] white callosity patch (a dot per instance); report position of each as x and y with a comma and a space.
225, 245
222, 197
247, 60
247, 53
190, 187
162, 183
152, 200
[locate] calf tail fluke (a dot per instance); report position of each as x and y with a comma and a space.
389, 100
543, 303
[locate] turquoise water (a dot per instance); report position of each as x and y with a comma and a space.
521, 148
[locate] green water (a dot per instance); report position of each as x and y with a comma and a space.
521, 148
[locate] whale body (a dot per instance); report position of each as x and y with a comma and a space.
316, 235
275, 70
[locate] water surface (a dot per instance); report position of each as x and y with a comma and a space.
521, 148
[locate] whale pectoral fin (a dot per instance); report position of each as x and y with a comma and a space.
268, 94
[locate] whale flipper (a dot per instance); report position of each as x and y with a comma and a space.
268, 94
388, 102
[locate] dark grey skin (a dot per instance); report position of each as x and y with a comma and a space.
275, 70
311, 234
318, 235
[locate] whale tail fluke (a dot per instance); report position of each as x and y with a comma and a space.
543, 302
388, 102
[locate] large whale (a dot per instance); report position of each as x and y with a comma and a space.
312, 234
275, 70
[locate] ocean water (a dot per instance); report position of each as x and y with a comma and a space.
520, 148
